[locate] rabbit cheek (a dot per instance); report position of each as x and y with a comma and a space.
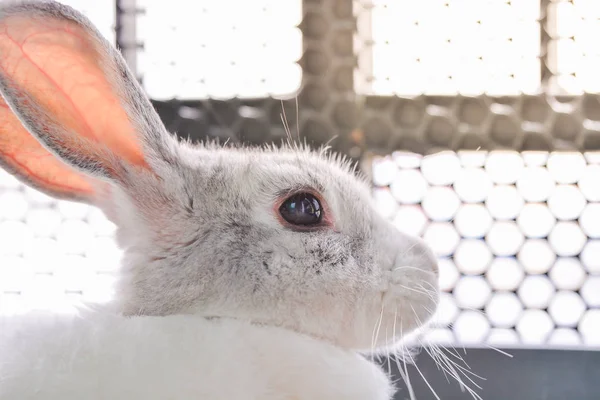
408, 302
407, 292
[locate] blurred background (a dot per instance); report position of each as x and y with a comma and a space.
478, 122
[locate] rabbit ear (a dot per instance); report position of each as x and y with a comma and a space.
73, 115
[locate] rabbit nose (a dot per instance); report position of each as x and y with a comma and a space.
416, 253
400, 249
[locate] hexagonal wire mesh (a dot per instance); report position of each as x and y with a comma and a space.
244, 69
516, 233
473, 74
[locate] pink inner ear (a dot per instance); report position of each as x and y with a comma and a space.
25, 154
58, 64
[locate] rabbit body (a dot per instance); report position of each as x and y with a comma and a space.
98, 355
247, 273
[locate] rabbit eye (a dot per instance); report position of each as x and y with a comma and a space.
302, 209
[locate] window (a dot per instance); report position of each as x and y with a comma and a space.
444, 47
573, 52
471, 47
219, 49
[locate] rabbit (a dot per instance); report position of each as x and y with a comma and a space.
247, 273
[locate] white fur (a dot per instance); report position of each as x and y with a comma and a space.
104, 356
202, 238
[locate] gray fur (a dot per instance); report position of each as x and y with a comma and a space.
200, 234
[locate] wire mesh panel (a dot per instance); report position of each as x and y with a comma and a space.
52, 253
376, 75
478, 74
445, 47
232, 76
472, 47
573, 54
516, 236
240, 76
219, 49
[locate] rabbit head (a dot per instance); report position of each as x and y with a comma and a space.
285, 237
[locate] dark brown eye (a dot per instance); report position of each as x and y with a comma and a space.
302, 209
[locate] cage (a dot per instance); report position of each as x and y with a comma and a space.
477, 122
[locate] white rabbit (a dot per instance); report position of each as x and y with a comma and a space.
247, 273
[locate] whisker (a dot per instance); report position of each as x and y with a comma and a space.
467, 371
297, 119
330, 140
474, 310
438, 362
389, 350
286, 124
376, 328
427, 292
404, 373
287, 132
433, 288
395, 321
442, 358
463, 386
455, 354
498, 350
414, 290
424, 379
409, 267
450, 364
406, 379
